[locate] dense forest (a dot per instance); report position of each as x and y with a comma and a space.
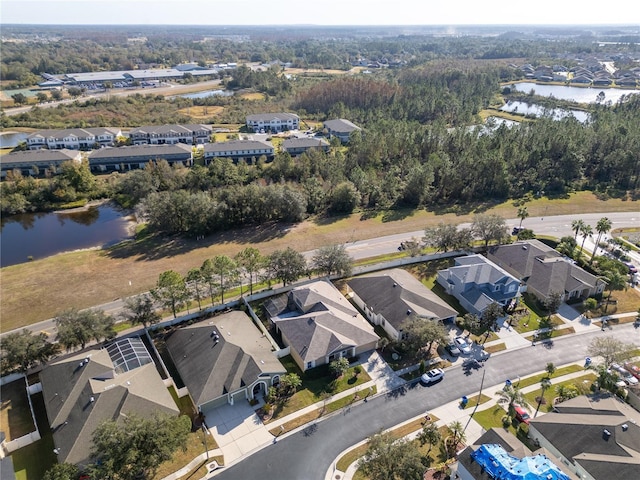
418, 147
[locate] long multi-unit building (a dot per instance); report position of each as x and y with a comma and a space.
137, 156
36, 162
273, 122
171, 134
248, 150
73, 138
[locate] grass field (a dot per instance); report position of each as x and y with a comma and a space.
37, 290
202, 112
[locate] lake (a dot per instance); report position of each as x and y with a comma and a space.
538, 111
207, 93
574, 94
39, 235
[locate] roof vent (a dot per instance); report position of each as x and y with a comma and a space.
408, 312
524, 247
92, 399
606, 433
395, 284
625, 427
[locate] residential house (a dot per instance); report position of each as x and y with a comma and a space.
341, 128
170, 134
476, 282
73, 138
85, 389
320, 325
137, 156
390, 297
224, 360
498, 454
543, 270
273, 122
36, 162
247, 150
297, 146
597, 437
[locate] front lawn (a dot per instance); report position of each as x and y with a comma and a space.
317, 383
583, 383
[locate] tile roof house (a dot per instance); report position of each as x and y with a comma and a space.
597, 437
85, 389
272, 122
498, 454
320, 325
224, 360
477, 282
341, 128
31, 161
544, 270
137, 156
390, 297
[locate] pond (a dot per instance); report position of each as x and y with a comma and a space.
538, 111
39, 235
574, 94
12, 139
207, 93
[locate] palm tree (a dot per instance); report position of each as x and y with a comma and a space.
586, 231
577, 226
602, 227
545, 384
550, 369
429, 434
458, 434
522, 214
615, 281
511, 395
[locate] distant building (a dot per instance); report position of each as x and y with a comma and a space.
248, 150
36, 162
341, 129
273, 122
297, 146
170, 135
137, 156
73, 138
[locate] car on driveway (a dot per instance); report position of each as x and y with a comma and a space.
624, 374
452, 349
432, 376
462, 345
521, 414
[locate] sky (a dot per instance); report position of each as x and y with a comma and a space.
317, 12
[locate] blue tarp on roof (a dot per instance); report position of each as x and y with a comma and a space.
502, 466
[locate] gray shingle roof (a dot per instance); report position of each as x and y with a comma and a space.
209, 369
69, 387
39, 156
306, 142
237, 146
341, 125
268, 117
393, 293
319, 320
166, 129
145, 151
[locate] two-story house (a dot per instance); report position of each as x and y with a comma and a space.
171, 134
340, 128
137, 156
73, 138
248, 150
476, 282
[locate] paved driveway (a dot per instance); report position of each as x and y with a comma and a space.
237, 429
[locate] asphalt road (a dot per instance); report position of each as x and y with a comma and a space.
557, 226
308, 454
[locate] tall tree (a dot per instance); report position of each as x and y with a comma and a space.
552, 303
586, 231
490, 316
62, 471
251, 262
511, 395
602, 227
489, 227
522, 214
429, 434
332, 259
132, 448
286, 265
545, 384
141, 310
208, 276
610, 350
615, 282
76, 328
193, 279
577, 226
171, 291
420, 332
225, 269
24, 350
388, 458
